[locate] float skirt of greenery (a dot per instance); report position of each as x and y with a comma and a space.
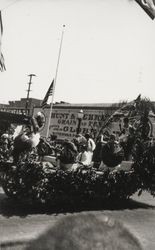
34, 182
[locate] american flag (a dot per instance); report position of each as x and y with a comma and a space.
2, 64
48, 94
148, 6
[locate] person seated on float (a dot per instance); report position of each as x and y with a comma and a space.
67, 156
83, 157
44, 148
90, 145
78, 140
24, 141
127, 143
97, 153
112, 154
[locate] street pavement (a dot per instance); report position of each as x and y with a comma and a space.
20, 224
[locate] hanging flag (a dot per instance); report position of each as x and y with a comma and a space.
2, 64
48, 94
148, 6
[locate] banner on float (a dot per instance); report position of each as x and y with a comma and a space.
64, 122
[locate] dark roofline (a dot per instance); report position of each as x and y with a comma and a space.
88, 106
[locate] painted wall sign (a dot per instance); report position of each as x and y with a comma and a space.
64, 122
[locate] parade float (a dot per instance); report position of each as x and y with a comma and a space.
35, 181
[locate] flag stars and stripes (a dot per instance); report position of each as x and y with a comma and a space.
48, 94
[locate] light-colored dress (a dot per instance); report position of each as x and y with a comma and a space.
84, 158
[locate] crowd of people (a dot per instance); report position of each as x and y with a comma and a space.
107, 151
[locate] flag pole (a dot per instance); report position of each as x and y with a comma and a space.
55, 79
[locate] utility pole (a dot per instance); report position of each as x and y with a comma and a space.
28, 92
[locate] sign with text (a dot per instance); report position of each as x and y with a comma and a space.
64, 122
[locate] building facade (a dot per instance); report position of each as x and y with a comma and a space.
64, 121
19, 106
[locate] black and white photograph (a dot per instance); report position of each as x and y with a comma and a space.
77, 124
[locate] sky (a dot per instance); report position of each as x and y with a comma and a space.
107, 52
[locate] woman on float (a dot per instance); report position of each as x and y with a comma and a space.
90, 145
